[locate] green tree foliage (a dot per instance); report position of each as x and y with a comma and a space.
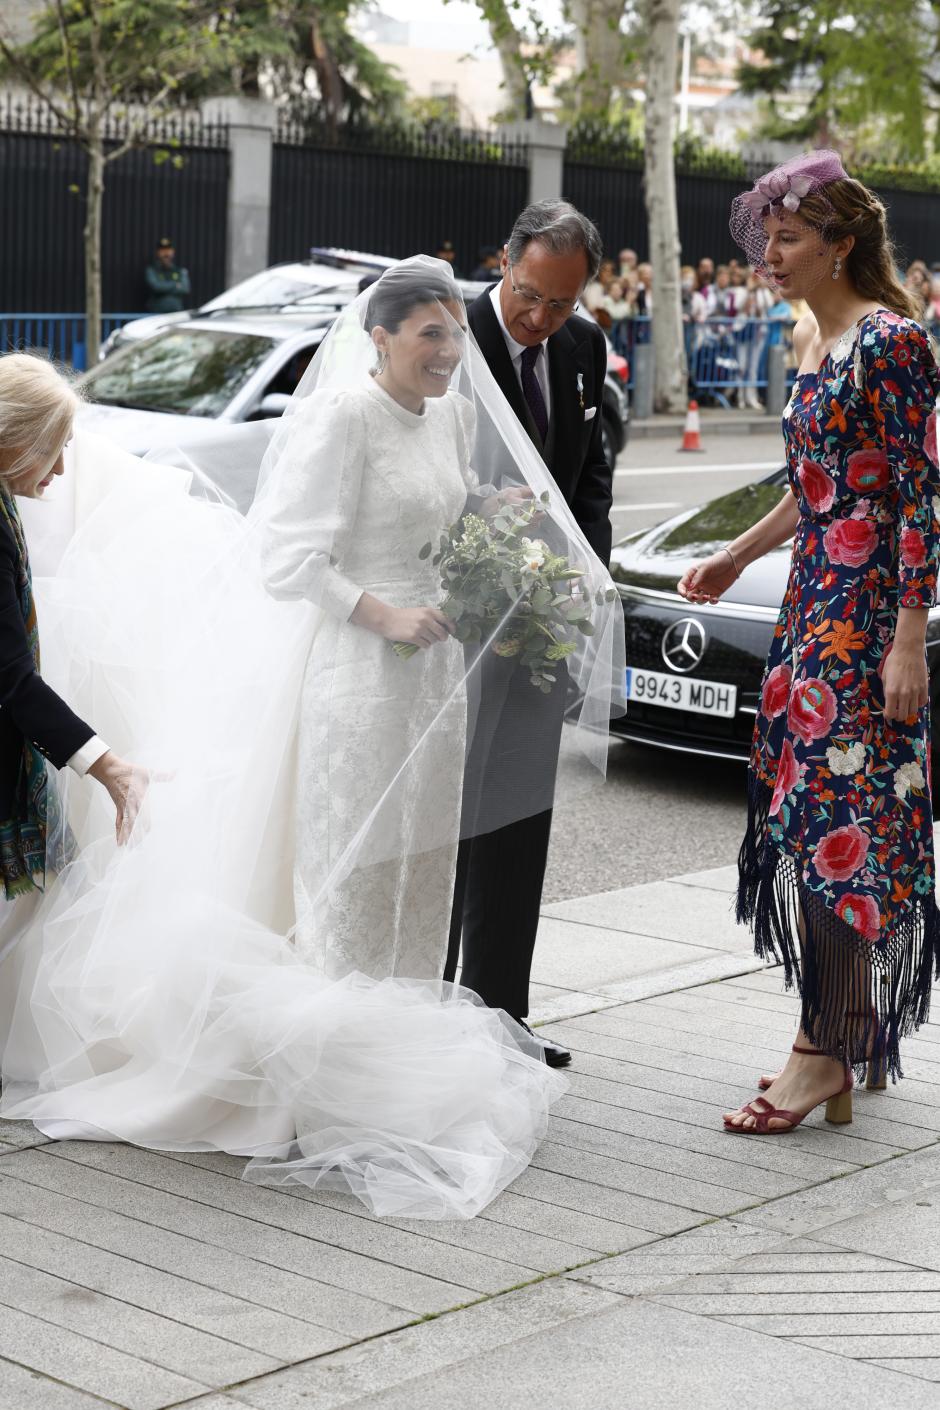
859, 78
316, 41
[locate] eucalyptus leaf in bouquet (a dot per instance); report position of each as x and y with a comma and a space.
504, 587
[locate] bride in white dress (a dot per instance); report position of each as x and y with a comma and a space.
366, 476
158, 994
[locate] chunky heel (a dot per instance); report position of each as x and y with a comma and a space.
839, 1109
876, 1078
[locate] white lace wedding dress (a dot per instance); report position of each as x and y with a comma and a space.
363, 485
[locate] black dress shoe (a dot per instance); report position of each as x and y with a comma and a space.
555, 1054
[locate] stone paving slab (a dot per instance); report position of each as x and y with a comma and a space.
715, 879
170, 1344
568, 950
815, 1209
131, 1381
22, 1388
343, 1269
928, 1368
608, 1357
679, 1139
140, 1285
910, 1229
222, 1189
356, 1376
664, 910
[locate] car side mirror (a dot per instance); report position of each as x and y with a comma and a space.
274, 404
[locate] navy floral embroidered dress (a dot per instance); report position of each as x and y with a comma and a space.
840, 840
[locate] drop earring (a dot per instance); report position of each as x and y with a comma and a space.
380, 367
838, 267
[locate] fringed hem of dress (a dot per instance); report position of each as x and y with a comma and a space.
860, 997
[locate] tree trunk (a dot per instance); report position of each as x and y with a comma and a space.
329, 79
508, 44
93, 203
599, 51
671, 374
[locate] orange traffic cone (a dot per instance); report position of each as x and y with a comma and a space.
692, 435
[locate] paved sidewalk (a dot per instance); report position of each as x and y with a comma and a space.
645, 1260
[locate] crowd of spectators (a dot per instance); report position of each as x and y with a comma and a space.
732, 317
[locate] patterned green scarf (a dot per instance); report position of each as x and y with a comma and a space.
23, 836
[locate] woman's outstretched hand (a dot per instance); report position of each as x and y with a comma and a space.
706, 581
127, 785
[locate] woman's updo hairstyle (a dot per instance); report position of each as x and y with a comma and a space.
37, 408
395, 296
846, 207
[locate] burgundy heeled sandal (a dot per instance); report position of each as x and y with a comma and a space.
838, 1108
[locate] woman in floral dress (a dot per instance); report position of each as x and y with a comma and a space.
836, 869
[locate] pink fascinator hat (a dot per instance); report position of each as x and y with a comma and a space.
779, 192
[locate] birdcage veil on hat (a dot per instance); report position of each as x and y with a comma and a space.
781, 192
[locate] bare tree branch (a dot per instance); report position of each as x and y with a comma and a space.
67, 53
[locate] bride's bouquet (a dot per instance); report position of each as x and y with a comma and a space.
500, 583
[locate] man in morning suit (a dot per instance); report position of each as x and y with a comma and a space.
550, 364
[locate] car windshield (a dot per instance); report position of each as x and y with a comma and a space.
272, 288
187, 371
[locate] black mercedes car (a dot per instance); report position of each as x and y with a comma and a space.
694, 672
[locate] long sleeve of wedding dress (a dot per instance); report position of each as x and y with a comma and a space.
311, 511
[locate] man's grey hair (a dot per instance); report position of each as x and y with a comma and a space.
561, 229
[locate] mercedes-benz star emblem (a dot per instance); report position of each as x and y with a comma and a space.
684, 644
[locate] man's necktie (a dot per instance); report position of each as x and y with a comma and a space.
532, 391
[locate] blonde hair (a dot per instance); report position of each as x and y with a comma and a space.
37, 408
847, 207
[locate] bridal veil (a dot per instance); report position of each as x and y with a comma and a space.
156, 995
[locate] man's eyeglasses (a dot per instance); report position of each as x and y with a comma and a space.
529, 296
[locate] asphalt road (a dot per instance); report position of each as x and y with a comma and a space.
659, 814
654, 480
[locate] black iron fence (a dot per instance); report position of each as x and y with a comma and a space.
175, 185
383, 188
393, 190
603, 176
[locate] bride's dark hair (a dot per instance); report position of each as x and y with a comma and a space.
395, 296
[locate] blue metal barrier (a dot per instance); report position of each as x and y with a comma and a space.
725, 356
61, 335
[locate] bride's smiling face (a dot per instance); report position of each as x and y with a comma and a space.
421, 357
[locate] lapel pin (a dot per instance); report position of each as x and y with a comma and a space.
581, 389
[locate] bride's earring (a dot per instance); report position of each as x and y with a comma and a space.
381, 364
838, 267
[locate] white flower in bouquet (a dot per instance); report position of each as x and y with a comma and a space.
534, 551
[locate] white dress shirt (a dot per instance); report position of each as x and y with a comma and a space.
82, 760
517, 349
